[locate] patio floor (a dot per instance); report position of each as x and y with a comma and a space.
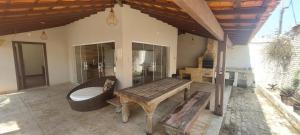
250, 113
45, 111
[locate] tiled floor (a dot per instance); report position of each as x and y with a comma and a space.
45, 111
250, 113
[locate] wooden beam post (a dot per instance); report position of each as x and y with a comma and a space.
201, 13
220, 80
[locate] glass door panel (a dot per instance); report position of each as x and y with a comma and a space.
108, 59
94, 61
164, 62
148, 63
158, 62
89, 58
100, 64
138, 55
78, 63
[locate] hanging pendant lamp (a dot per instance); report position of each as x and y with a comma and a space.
111, 19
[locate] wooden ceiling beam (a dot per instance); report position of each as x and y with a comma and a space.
7, 13
187, 26
237, 31
142, 6
170, 18
202, 14
219, 0
52, 4
259, 25
238, 20
39, 23
237, 3
239, 27
252, 10
37, 17
160, 13
30, 28
44, 19
162, 3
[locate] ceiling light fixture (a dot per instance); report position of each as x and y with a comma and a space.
111, 19
44, 35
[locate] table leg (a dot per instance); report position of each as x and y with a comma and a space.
149, 109
187, 93
149, 123
125, 110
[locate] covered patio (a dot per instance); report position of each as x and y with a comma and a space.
43, 111
82, 40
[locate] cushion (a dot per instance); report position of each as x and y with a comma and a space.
86, 93
108, 84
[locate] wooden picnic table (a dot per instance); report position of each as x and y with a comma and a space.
148, 96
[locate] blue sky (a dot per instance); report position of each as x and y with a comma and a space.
272, 24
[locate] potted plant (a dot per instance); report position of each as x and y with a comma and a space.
296, 105
296, 97
286, 95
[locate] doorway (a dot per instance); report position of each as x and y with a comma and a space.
95, 61
149, 63
30, 64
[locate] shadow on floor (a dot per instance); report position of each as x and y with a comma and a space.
244, 114
249, 113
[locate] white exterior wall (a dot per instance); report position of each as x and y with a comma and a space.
265, 72
190, 48
238, 56
56, 55
133, 26
238, 60
146, 29
90, 30
139, 27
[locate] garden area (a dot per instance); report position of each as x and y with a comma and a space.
281, 54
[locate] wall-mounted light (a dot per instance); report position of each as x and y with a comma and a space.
44, 35
29, 34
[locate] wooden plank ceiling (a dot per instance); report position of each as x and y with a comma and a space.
239, 18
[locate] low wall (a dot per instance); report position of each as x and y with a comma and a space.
289, 114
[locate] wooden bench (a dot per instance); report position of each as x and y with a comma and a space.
180, 121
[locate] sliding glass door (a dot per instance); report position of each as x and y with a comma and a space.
149, 63
89, 61
94, 61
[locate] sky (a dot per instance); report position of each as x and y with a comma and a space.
272, 24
